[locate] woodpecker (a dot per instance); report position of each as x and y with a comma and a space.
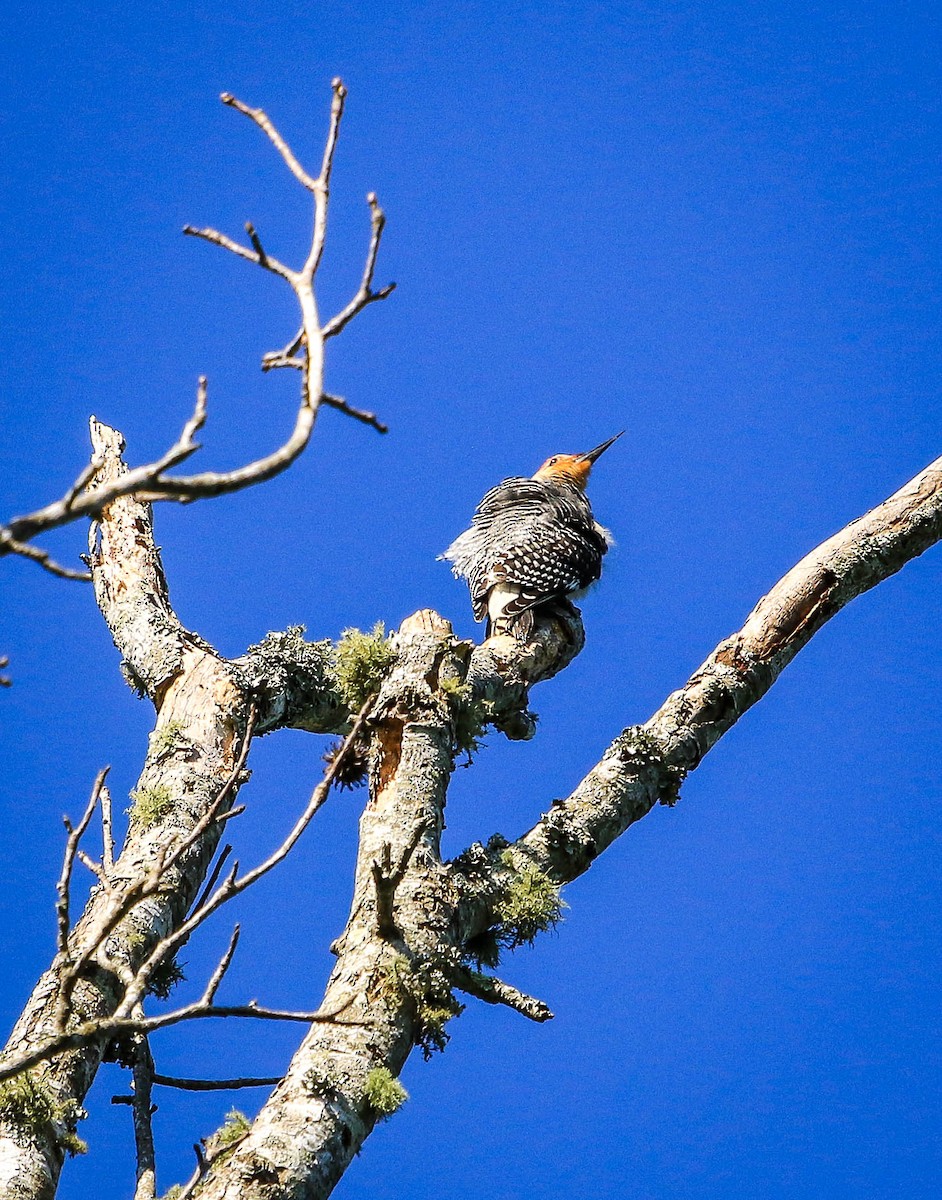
531, 542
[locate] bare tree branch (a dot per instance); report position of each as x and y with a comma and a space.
205, 708
216, 1085
495, 991
212, 987
151, 482
256, 244
259, 258
358, 414
207, 711
11, 545
642, 766
262, 121
71, 846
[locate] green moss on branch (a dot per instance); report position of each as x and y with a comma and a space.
362, 660
167, 738
384, 1093
644, 751
529, 904
426, 984
150, 805
27, 1101
470, 717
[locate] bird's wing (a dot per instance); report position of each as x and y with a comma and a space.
531, 534
548, 561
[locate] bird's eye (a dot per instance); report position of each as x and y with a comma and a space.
553, 461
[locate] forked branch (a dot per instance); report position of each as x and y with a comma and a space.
152, 481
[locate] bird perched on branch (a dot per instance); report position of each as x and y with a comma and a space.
532, 542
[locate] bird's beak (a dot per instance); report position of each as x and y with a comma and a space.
592, 455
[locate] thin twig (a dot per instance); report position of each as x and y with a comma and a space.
204, 1161
365, 294
213, 878
68, 861
256, 244
286, 357
96, 869
336, 112
215, 1085
11, 545
276, 359
358, 414
261, 120
209, 995
321, 188
252, 256
92, 502
87, 474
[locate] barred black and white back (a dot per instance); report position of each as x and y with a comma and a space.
531, 541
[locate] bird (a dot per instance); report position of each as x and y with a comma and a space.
532, 542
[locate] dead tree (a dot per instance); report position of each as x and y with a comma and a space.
421, 931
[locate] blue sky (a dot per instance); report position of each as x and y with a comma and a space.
715, 225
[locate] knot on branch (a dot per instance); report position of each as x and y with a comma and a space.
504, 668
479, 686
385, 881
